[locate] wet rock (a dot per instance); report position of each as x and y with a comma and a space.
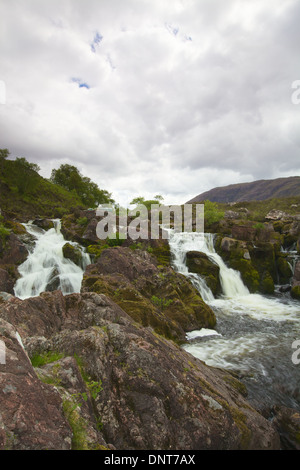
45, 224
296, 277
287, 422
295, 292
285, 288
72, 253
199, 263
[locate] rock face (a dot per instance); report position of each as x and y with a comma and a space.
154, 295
31, 411
129, 388
13, 252
6, 283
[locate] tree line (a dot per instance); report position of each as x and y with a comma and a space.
24, 177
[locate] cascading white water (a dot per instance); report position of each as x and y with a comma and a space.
46, 268
181, 243
253, 332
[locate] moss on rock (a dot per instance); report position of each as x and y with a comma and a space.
295, 292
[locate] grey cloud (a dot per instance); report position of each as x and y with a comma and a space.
163, 113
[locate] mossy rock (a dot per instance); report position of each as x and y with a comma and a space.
199, 263
267, 285
161, 250
263, 259
178, 307
96, 250
15, 227
249, 274
295, 292
72, 253
284, 270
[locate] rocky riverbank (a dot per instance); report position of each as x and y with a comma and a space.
103, 368
114, 384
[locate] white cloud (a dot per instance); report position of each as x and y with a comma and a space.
175, 97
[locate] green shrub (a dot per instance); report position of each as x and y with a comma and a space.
161, 303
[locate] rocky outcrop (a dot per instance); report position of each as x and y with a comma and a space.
154, 295
80, 227
12, 250
45, 224
256, 254
112, 383
6, 282
31, 411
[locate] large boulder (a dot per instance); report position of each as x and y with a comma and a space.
73, 253
129, 384
154, 295
45, 224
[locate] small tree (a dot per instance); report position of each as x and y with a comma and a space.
212, 213
4, 153
69, 177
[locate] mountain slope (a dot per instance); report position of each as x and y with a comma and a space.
254, 191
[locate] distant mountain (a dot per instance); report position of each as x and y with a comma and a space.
255, 191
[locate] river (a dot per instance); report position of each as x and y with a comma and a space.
254, 333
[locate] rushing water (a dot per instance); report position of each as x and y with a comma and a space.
254, 333
46, 268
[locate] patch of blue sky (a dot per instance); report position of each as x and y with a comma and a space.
80, 83
96, 41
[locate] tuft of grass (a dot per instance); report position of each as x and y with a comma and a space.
39, 360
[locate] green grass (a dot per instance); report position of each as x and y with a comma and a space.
39, 360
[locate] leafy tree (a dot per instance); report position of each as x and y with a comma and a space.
4, 153
25, 175
212, 213
147, 203
69, 177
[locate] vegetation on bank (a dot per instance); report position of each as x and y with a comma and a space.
25, 194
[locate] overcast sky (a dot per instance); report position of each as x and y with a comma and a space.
146, 97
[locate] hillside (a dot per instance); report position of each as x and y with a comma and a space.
25, 194
255, 191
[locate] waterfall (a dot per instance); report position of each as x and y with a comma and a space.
46, 268
254, 333
180, 243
